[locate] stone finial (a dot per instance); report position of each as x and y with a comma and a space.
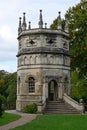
59, 21
45, 25
19, 28
66, 26
24, 25
40, 20
29, 27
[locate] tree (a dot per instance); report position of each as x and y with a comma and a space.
11, 90
8, 83
55, 23
78, 87
77, 20
1, 108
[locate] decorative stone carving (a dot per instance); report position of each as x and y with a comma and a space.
51, 42
32, 42
43, 50
49, 78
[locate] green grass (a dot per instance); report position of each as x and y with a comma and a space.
56, 122
6, 118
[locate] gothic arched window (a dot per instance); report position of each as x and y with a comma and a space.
31, 60
36, 60
25, 60
31, 85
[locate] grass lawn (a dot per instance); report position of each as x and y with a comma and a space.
6, 118
56, 122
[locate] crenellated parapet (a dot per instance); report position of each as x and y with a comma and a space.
23, 24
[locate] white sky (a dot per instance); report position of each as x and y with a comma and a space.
11, 10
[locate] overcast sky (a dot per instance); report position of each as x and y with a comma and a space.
11, 10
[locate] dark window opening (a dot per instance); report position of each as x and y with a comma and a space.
31, 85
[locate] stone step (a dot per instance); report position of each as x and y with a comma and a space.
59, 107
56, 112
58, 101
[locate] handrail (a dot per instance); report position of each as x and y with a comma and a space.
72, 102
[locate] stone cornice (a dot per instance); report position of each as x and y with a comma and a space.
43, 50
43, 31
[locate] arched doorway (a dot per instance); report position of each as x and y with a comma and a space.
52, 90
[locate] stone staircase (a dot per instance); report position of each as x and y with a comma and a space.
59, 107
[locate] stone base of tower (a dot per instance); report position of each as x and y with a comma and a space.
21, 104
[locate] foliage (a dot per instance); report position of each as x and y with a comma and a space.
55, 23
31, 108
1, 107
77, 19
56, 122
7, 118
8, 83
11, 99
78, 87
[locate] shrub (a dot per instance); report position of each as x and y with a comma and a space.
31, 108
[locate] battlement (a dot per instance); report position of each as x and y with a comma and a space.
23, 25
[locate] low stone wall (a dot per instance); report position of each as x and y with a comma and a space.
75, 104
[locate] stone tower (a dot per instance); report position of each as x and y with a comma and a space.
43, 72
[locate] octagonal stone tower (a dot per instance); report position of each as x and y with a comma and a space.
43, 72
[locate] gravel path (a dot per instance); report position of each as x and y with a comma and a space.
23, 120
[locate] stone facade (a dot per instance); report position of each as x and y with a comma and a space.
43, 64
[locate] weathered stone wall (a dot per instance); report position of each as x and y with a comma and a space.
44, 55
